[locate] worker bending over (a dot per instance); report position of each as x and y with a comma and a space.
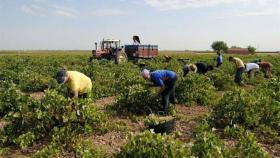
240, 67
166, 80
265, 68
79, 85
251, 68
200, 67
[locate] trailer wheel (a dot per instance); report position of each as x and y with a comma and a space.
121, 57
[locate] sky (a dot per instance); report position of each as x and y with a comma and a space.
171, 24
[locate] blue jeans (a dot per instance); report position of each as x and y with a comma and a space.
168, 93
238, 75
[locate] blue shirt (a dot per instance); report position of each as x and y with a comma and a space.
220, 59
160, 76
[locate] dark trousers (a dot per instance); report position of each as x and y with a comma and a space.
82, 96
238, 75
168, 94
218, 64
85, 95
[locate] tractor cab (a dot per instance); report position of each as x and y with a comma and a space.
106, 48
110, 44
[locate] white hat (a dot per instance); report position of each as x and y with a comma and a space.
145, 73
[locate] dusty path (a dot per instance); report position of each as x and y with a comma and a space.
102, 103
187, 119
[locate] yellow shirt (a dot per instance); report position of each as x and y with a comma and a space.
238, 62
78, 82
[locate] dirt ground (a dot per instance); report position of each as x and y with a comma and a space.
274, 150
102, 103
3, 123
186, 120
37, 95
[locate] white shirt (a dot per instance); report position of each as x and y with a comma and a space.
251, 66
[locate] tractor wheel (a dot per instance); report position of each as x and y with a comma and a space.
121, 57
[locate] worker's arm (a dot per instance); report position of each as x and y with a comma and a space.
151, 85
162, 88
158, 82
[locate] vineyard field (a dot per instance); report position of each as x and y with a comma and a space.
214, 116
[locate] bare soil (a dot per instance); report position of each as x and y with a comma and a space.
3, 123
37, 95
272, 149
186, 121
188, 117
104, 102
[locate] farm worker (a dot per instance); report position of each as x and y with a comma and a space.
167, 58
79, 85
240, 67
201, 68
219, 59
251, 68
188, 68
166, 80
265, 68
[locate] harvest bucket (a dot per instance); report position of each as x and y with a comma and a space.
165, 127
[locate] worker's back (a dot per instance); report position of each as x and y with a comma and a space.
78, 81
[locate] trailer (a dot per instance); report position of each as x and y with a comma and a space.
111, 49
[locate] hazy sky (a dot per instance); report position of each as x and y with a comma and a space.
172, 24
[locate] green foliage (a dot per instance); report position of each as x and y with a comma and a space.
274, 88
252, 49
103, 81
85, 149
34, 82
267, 134
207, 144
25, 139
148, 144
48, 151
233, 132
248, 109
34, 119
153, 119
137, 99
11, 100
221, 80
219, 45
4, 152
196, 89
108, 79
249, 147
64, 122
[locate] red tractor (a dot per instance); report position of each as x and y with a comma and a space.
112, 49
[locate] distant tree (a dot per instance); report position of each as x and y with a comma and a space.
235, 47
252, 49
219, 46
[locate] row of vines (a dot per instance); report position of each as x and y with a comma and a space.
250, 116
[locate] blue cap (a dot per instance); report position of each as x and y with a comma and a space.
60, 76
